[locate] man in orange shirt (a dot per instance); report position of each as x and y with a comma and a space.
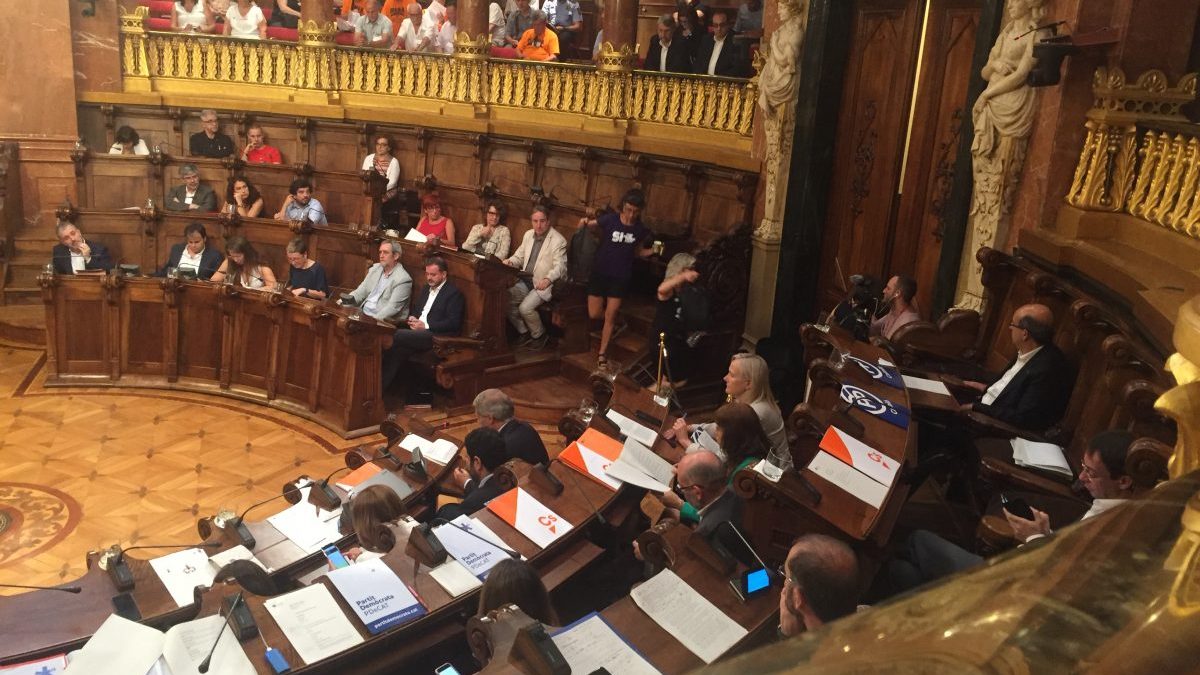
538, 43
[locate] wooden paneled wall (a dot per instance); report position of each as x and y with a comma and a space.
686, 200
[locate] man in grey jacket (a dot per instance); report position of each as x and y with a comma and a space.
385, 292
192, 195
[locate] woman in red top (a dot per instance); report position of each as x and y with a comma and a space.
433, 223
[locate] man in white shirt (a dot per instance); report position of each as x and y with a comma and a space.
373, 29
438, 310
926, 556
74, 254
718, 55
666, 54
449, 29
416, 34
385, 291
1032, 393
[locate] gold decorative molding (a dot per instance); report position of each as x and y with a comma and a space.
617, 60
1182, 403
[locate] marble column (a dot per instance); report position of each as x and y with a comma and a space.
619, 22
473, 17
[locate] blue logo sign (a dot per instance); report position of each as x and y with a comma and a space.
888, 376
874, 405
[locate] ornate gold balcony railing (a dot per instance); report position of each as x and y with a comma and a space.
315, 64
1140, 155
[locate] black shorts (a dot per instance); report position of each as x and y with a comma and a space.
604, 286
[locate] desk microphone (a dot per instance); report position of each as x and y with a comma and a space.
67, 589
513, 554
596, 512
113, 561
224, 624
324, 496
245, 538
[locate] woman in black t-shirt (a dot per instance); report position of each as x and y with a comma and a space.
306, 277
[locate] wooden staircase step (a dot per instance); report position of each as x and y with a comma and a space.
23, 324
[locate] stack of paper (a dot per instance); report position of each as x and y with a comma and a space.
529, 516
1045, 456
479, 557
591, 455
688, 616
313, 623
644, 435
638, 465
182, 571
352, 479
590, 644
121, 647
454, 578
415, 236
239, 552
923, 384
440, 451
379, 598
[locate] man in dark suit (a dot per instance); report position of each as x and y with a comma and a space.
438, 310
74, 254
485, 453
1033, 391
201, 259
718, 53
666, 53
192, 195
495, 411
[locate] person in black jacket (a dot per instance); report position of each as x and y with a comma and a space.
438, 310
202, 260
73, 253
729, 61
1033, 391
485, 453
678, 58
495, 410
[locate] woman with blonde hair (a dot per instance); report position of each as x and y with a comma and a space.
748, 381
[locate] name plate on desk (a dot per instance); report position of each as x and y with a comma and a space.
379, 598
879, 372
591, 455
531, 517
848, 478
875, 405
861, 456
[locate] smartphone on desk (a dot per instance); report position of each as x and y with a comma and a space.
335, 557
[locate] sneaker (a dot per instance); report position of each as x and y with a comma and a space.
538, 343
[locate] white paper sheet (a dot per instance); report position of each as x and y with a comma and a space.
413, 235
477, 556
631, 429
688, 616
187, 645
642, 458
378, 596
923, 384
119, 647
590, 644
454, 578
239, 552
307, 526
1041, 455
312, 621
627, 473
182, 571
848, 478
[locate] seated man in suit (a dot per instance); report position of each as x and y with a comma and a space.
438, 311
194, 256
495, 410
820, 584
543, 254
1033, 391
385, 291
485, 454
74, 254
719, 54
666, 53
192, 195
925, 556
701, 477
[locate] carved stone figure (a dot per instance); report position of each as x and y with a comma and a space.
1003, 117
777, 86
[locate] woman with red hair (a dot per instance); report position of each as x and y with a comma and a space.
433, 223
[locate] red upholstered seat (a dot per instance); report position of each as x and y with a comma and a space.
158, 23
344, 38
504, 52
281, 33
161, 8
266, 9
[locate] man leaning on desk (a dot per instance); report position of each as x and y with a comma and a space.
485, 454
385, 291
74, 254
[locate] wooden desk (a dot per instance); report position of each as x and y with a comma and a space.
311, 359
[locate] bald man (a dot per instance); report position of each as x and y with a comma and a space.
820, 584
416, 34
700, 478
1033, 391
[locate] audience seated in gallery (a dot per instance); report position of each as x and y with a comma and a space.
566, 20
192, 195
666, 52
485, 453
518, 21
209, 141
286, 14
245, 20
127, 142
306, 277
243, 267
192, 16
301, 205
257, 151
416, 33
497, 25
719, 54
242, 197
74, 254
539, 43
448, 30
491, 237
543, 255
373, 29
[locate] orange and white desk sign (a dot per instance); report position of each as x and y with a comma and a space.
529, 516
876, 465
591, 455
